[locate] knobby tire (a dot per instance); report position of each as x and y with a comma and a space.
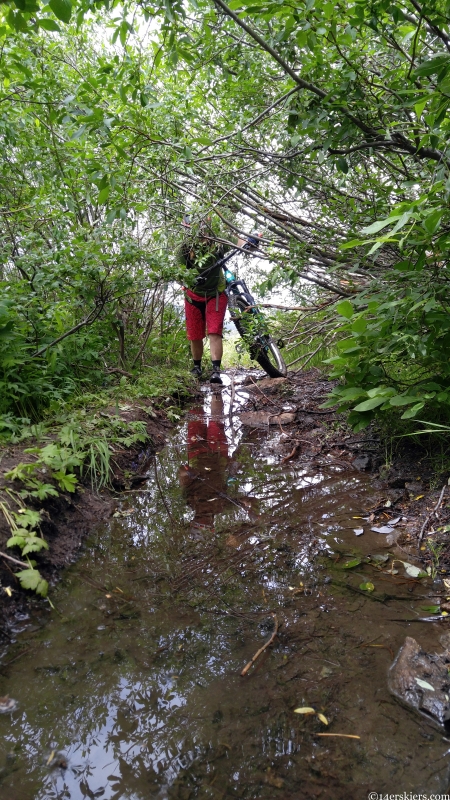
277, 370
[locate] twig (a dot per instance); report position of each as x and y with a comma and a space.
343, 735
119, 371
232, 397
162, 496
422, 530
10, 558
261, 650
295, 450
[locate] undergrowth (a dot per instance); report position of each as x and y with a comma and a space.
77, 442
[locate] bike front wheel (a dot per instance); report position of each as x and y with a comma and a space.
268, 356
262, 348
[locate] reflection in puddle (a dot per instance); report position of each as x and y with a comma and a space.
135, 681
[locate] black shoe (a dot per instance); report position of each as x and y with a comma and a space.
215, 376
196, 372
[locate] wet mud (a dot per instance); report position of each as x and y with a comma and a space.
132, 687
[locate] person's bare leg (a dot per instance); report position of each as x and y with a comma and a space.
216, 346
197, 349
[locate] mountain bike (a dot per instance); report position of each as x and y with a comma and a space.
248, 319
252, 327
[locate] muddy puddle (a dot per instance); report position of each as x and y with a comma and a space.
131, 687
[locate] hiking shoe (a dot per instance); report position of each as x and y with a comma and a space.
215, 376
196, 372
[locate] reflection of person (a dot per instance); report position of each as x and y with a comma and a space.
204, 477
206, 301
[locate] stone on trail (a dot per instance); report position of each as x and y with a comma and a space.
267, 385
421, 681
261, 419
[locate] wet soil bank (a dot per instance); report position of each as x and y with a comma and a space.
412, 493
249, 532
68, 518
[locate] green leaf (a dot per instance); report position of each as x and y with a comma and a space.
411, 412
48, 24
433, 65
419, 107
432, 222
17, 540
34, 544
32, 579
352, 243
367, 587
345, 309
342, 165
103, 195
359, 325
67, 482
402, 400
355, 562
379, 225
62, 9
28, 518
371, 403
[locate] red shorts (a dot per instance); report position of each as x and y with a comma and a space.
206, 315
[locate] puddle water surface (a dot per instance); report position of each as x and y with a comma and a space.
132, 688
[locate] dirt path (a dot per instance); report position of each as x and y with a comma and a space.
308, 434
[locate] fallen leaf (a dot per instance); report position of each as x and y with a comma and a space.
413, 571
379, 558
272, 780
424, 684
355, 562
50, 758
305, 710
419, 497
322, 718
367, 587
358, 531
8, 591
382, 529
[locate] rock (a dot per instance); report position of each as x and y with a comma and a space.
414, 487
7, 704
261, 419
362, 462
270, 385
420, 681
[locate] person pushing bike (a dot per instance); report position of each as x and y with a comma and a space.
205, 301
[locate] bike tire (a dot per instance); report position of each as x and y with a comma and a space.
275, 368
269, 358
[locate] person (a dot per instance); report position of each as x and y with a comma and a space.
205, 302
204, 477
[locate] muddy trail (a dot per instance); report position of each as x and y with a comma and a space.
242, 536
